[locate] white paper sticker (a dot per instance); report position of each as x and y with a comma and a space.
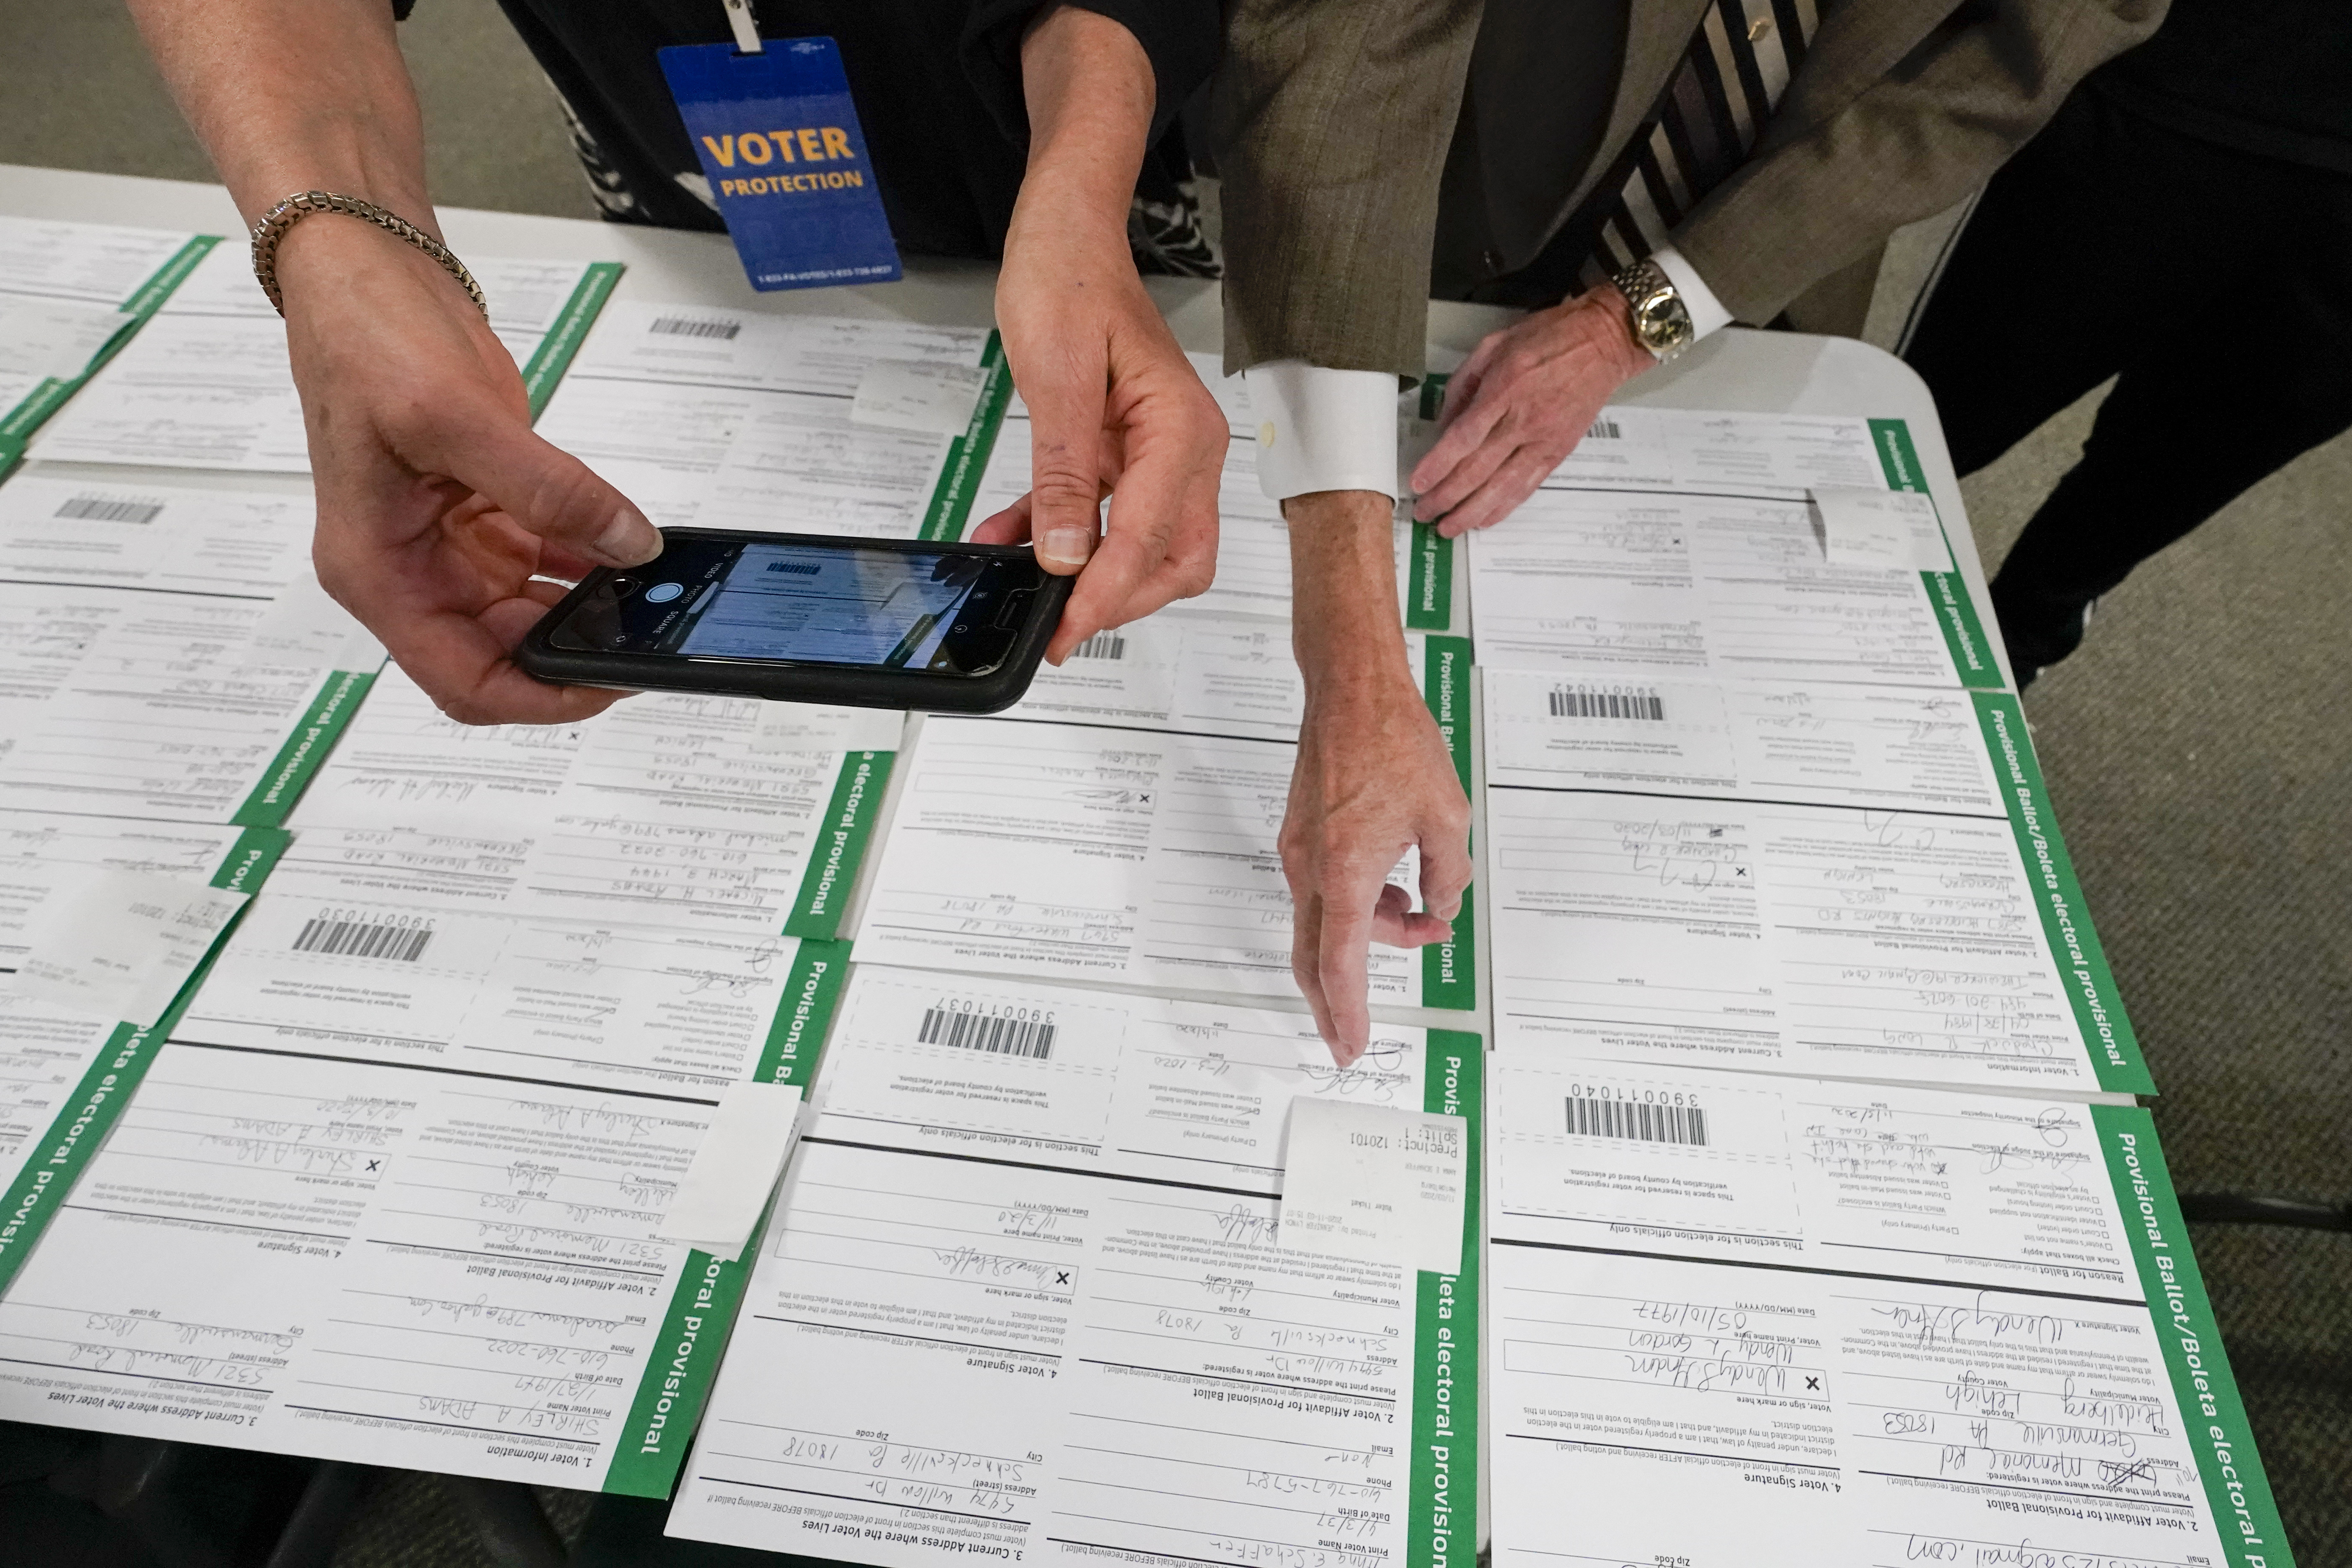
1415, 436
1375, 1184
1891, 528
735, 1169
306, 630
120, 943
799, 727
917, 394
55, 337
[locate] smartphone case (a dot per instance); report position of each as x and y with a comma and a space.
826, 685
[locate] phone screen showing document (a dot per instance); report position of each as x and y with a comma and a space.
886, 608
802, 600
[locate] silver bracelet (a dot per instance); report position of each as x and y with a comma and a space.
302, 203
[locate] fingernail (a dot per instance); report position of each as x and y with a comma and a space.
628, 539
1071, 546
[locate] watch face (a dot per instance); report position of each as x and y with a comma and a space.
1661, 321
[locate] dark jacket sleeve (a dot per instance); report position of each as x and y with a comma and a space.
1181, 37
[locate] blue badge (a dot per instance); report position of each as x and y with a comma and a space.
780, 143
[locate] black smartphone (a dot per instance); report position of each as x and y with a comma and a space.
859, 623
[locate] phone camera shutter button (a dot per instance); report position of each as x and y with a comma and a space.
663, 593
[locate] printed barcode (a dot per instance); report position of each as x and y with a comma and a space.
1102, 644
689, 326
107, 510
1606, 429
1589, 1118
1583, 702
1004, 1036
356, 939
797, 568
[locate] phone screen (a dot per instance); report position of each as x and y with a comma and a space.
809, 603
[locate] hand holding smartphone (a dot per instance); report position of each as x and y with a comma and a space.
951, 629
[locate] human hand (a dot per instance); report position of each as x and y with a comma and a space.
1373, 778
437, 506
1519, 404
1114, 408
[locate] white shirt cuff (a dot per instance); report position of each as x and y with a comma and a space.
1321, 429
1707, 311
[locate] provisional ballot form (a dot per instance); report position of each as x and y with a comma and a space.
206, 384
175, 657
69, 292
1141, 856
1860, 881
442, 1271
1026, 1296
1686, 544
726, 418
1742, 1320
48, 1052
669, 811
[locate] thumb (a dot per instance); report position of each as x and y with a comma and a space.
548, 491
1065, 478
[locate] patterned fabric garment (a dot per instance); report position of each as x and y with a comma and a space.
1736, 68
1167, 236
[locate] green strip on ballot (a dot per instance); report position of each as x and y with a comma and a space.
306, 750
56, 1161
557, 349
968, 454
2210, 1409
842, 835
1429, 565
811, 990
1429, 581
1444, 1499
669, 1402
17, 427
668, 1405
1956, 613
1449, 969
2082, 964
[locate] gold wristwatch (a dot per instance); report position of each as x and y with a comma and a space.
1661, 321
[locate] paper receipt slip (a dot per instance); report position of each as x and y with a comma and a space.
1895, 529
121, 944
919, 395
734, 1168
55, 337
1375, 1184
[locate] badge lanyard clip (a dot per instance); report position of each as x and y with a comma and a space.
746, 25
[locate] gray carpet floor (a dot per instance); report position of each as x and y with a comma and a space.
2199, 751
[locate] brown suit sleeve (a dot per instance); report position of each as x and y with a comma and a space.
1331, 120
1836, 174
